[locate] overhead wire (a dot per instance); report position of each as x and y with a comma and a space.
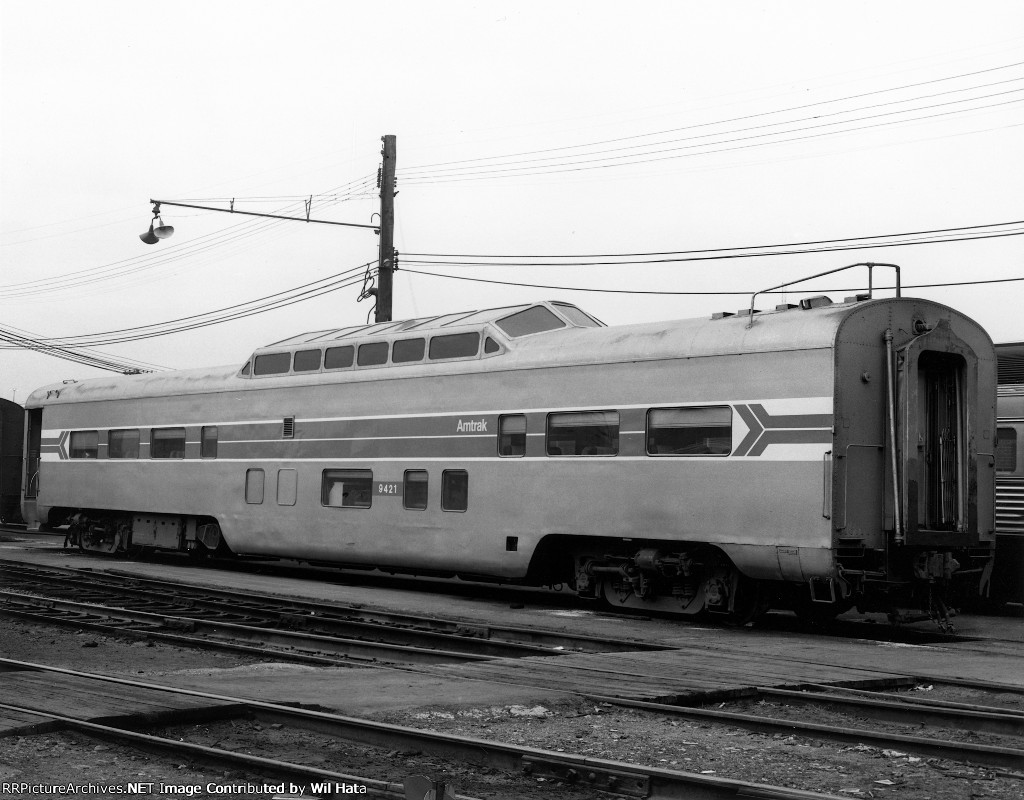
140, 264
665, 292
323, 286
674, 152
476, 169
292, 198
150, 261
591, 155
363, 273
72, 348
19, 341
954, 230
741, 118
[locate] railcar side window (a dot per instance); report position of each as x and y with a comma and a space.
414, 493
254, 486
272, 364
84, 444
1006, 450
372, 353
306, 361
167, 443
531, 320
454, 490
512, 435
583, 433
208, 442
407, 350
339, 357
287, 487
347, 488
705, 431
123, 444
454, 345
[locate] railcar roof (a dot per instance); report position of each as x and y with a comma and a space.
807, 326
446, 322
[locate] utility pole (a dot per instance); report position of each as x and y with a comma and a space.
386, 265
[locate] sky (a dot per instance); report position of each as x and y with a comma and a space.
533, 140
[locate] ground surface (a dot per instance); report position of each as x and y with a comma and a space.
562, 726
534, 717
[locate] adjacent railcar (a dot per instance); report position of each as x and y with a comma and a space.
12, 421
1008, 577
813, 456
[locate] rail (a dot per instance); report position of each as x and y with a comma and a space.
601, 774
301, 627
991, 755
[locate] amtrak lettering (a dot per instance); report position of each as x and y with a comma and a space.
472, 426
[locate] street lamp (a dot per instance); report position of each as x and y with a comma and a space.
387, 257
161, 231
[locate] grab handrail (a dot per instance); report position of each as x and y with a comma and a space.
869, 264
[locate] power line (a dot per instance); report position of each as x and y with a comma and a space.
141, 263
68, 354
173, 254
663, 155
327, 285
962, 228
697, 293
590, 156
720, 122
536, 162
720, 257
356, 275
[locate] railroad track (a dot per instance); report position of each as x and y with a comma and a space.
265, 625
585, 772
981, 732
1004, 726
915, 633
589, 774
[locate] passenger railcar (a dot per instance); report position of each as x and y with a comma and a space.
1008, 578
815, 456
12, 422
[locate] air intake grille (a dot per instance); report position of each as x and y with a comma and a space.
1010, 358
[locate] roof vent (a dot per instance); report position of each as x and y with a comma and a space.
857, 298
746, 312
785, 306
721, 314
818, 301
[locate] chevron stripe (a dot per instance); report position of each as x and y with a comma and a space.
766, 429
58, 446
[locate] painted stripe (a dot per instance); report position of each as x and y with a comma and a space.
799, 446
456, 436
779, 429
811, 454
791, 405
769, 438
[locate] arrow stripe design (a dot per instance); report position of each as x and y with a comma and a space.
766, 429
56, 445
